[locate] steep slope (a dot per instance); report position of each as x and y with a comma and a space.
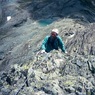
51, 74
76, 9
24, 71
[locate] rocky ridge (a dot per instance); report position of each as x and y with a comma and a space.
24, 71
51, 74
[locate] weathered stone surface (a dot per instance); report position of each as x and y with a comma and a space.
5, 91
0, 16
24, 70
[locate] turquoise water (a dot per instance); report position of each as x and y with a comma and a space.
45, 22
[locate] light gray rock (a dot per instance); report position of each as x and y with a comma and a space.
5, 91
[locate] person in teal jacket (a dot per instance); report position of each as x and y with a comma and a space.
53, 41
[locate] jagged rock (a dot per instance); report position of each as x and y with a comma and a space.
0, 16
69, 89
8, 80
91, 65
5, 91
31, 73
76, 87
78, 93
28, 72
40, 93
79, 63
79, 88
89, 3
1, 84
63, 84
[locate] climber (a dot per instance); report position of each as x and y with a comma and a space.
53, 41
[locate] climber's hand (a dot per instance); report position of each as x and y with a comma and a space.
43, 51
40, 52
66, 52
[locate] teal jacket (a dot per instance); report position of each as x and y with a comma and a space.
49, 44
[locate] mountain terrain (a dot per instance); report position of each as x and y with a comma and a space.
23, 26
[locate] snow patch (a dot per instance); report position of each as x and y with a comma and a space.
9, 18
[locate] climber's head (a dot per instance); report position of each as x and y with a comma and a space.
54, 32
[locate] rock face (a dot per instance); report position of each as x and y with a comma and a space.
0, 15
90, 3
62, 8
24, 70
51, 74
81, 43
